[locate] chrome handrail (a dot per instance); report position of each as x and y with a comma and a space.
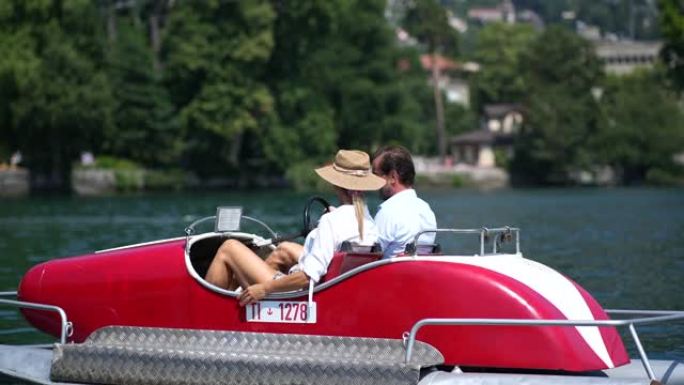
483, 232
67, 328
190, 230
656, 316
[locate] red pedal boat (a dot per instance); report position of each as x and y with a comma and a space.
487, 310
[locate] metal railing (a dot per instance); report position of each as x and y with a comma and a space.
655, 316
501, 234
67, 328
190, 230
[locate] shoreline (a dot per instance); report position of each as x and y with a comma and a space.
108, 182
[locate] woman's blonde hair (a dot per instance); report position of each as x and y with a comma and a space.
359, 209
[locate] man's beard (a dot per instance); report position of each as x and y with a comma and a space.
385, 192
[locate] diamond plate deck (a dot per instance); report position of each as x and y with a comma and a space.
132, 355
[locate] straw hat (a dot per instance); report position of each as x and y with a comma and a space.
352, 171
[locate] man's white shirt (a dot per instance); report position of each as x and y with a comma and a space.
333, 228
400, 218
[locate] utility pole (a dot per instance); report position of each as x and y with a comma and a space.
439, 107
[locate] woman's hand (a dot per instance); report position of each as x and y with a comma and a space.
257, 292
252, 294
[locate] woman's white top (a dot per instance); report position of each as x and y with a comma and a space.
333, 228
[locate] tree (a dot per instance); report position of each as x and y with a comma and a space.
500, 79
18, 65
427, 21
215, 54
561, 113
374, 99
57, 99
145, 129
672, 28
633, 19
304, 130
643, 127
336, 82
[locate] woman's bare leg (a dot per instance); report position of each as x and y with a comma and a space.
284, 256
235, 261
219, 273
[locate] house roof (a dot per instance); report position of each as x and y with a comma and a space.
446, 64
474, 137
500, 110
443, 63
485, 13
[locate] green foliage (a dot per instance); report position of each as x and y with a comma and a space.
268, 87
113, 163
560, 71
501, 78
145, 129
334, 77
631, 19
642, 126
18, 66
501, 159
131, 176
672, 26
665, 177
57, 100
458, 119
459, 181
247, 86
310, 134
172, 179
442, 180
302, 177
216, 54
427, 21
129, 180
559, 56
128, 175
4, 153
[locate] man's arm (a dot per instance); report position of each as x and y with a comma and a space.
257, 292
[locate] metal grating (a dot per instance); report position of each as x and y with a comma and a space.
133, 355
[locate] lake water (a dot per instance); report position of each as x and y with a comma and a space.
625, 246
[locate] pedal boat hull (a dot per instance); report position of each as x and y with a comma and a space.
154, 285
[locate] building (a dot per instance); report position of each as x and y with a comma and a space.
504, 12
498, 126
625, 56
588, 31
453, 77
457, 23
530, 17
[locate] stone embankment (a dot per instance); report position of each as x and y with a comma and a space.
430, 171
93, 181
14, 182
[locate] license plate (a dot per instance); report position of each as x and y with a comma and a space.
281, 312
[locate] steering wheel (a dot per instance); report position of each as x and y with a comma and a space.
307, 213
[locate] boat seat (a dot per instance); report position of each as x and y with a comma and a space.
349, 257
423, 249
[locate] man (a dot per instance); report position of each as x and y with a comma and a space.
402, 215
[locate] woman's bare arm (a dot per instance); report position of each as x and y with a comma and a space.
257, 292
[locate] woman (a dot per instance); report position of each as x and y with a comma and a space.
235, 263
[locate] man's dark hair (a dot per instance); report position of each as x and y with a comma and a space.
399, 159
